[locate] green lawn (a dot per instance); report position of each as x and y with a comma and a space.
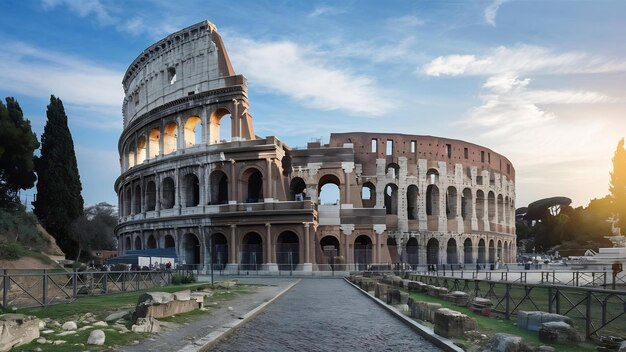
101, 306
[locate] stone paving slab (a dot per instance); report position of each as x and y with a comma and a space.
216, 322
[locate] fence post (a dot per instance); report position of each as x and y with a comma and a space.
5, 289
74, 284
549, 299
44, 282
588, 317
558, 301
105, 282
507, 302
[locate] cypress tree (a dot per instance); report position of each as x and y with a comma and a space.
617, 186
59, 201
17, 144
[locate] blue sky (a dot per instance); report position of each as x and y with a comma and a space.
541, 82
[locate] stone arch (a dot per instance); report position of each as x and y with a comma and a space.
191, 249
287, 250
137, 199
138, 244
499, 251
218, 187
368, 195
506, 254
153, 143
362, 252
251, 251
168, 241
151, 242
297, 189
330, 184
451, 196
392, 170
412, 193
219, 250
491, 206
482, 252
466, 204
252, 181
191, 190
141, 150
452, 254
170, 138
168, 193
193, 131
432, 251
330, 248
391, 198
492, 251
412, 251
150, 196
127, 244
220, 126
432, 176
468, 251
480, 205
432, 200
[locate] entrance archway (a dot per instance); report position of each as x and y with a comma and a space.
255, 186
492, 252
412, 251
137, 243
432, 251
482, 258
219, 188
362, 252
452, 255
127, 244
467, 251
151, 242
287, 251
191, 250
392, 246
251, 251
168, 242
330, 248
219, 251
297, 189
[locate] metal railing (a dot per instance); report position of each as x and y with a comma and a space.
31, 288
595, 311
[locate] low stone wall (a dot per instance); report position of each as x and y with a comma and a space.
16, 330
163, 304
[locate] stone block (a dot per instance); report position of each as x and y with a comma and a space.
481, 306
558, 331
414, 286
507, 343
69, 326
184, 295
404, 298
458, 298
155, 298
17, 329
449, 323
381, 291
96, 337
532, 320
431, 290
149, 325
393, 297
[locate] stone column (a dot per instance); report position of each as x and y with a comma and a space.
232, 246
271, 249
347, 167
268, 192
307, 266
232, 184
157, 181
161, 139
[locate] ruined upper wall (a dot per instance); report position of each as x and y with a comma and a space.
187, 62
425, 147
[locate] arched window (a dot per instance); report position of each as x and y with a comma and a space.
254, 185
168, 241
132, 161
170, 138
128, 197
451, 210
168, 193
411, 202
220, 126
297, 189
328, 190
368, 195
432, 200
432, 251
466, 204
141, 150
451, 252
193, 131
219, 188
467, 251
191, 190
150, 196
191, 250
155, 147
392, 170
480, 205
491, 206
432, 177
391, 198
137, 205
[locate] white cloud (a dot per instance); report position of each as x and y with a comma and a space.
492, 10
324, 10
508, 105
302, 74
81, 84
83, 8
520, 59
405, 22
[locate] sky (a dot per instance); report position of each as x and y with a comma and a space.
541, 82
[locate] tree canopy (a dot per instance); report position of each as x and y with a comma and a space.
95, 229
617, 185
59, 201
17, 144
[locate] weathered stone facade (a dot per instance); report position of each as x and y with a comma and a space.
254, 202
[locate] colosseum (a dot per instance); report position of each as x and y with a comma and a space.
198, 181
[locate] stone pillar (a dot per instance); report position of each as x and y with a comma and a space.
347, 167
157, 181
307, 266
459, 211
161, 139
232, 247
271, 249
443, 195
232, 184
268, 192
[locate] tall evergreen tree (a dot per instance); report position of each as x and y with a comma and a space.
17, 144
59, 201
617, 186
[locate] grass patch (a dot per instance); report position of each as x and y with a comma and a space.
101, 306
492, 325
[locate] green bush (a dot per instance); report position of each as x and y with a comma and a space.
178, 279
11, 251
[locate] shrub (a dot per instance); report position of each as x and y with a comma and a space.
188, 279
11, 251
177, 279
